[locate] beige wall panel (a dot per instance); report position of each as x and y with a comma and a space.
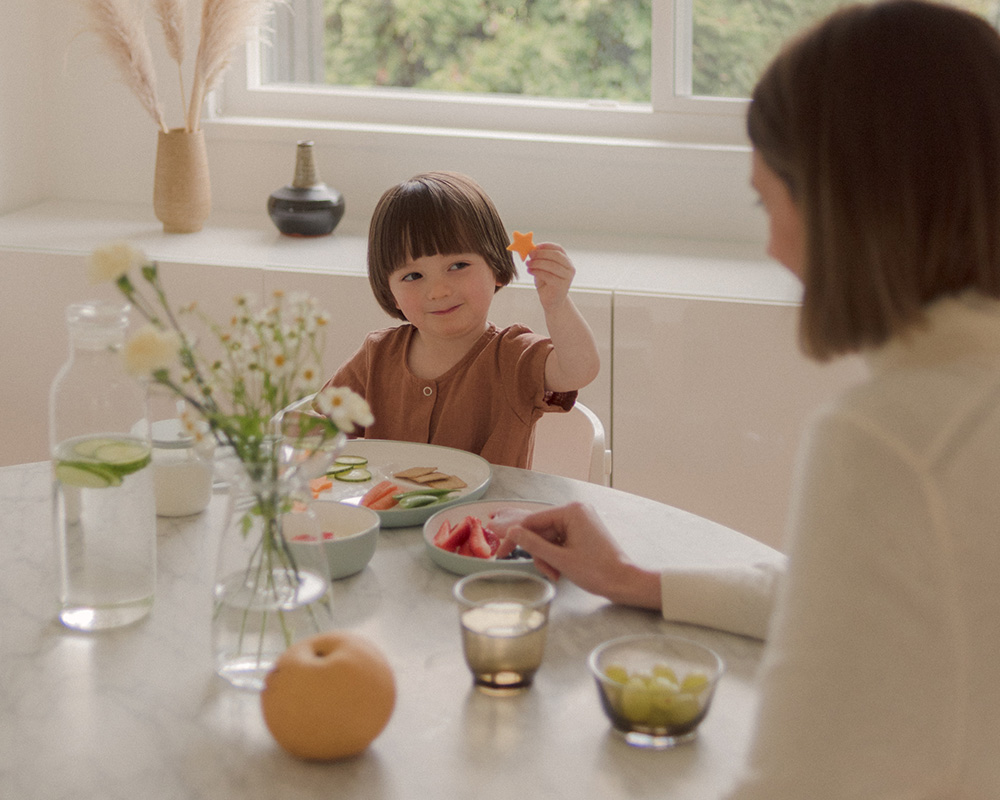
710, 399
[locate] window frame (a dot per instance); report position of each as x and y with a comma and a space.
673, 116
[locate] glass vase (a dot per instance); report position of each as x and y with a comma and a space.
266, 597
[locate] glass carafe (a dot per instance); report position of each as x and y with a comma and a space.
103, 502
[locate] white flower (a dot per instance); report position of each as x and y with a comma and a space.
347, 409
151, 349
110, 262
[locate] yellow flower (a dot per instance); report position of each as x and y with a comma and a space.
110, 262
151, 349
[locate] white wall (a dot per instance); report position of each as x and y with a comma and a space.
25, 105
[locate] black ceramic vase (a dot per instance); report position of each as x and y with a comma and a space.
307, 207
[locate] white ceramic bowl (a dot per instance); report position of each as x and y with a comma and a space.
668, 691
466, 565
354, 532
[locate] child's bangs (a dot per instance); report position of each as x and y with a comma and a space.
423, 231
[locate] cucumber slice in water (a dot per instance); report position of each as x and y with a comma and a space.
123, 457
87, 447
86, 476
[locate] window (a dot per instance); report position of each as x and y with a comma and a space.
661, 150
675, 69
596, 68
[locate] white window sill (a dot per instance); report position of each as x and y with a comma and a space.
710, 270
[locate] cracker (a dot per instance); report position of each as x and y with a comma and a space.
448, 482
429, 478
414, 472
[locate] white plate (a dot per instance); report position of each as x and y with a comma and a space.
466, 565
386, 457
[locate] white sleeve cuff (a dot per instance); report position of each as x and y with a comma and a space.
738, 599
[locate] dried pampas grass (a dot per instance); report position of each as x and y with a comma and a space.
118, 24
171, 14
224, 26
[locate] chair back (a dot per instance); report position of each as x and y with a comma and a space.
572, 445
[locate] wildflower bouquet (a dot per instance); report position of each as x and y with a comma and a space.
265, 359
269, 357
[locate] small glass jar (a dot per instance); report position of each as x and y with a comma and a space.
183, 467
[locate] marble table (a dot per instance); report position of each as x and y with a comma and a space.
139, 713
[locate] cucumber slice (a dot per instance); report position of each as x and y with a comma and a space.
338, 469
352, 461
123, 458
85, 476
354, 476
121, 452
87, 447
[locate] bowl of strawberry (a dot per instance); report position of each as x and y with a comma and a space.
464, 539
346, 534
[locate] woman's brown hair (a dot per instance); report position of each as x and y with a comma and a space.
884, 121
434, 212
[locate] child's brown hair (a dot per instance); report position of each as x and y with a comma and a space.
434, 212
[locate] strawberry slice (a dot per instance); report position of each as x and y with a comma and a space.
492, 539
443, 533
464, 549
452, 537
478, 546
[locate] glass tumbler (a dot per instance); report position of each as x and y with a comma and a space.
504, 616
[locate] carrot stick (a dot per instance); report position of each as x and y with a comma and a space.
378, 491
383, 503
319, 485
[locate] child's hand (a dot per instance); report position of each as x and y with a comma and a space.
553, 272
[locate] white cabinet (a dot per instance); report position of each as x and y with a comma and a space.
710, 398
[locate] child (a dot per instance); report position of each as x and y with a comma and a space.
437, 253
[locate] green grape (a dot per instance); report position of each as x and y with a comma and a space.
684, 709
694, 682
636, 700
616, 672
663, 671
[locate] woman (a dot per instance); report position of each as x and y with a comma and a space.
876, 141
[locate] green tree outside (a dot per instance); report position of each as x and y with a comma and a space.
597, 49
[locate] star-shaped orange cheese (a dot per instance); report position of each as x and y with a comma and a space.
522, 244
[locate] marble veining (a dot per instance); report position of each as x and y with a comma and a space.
139, 713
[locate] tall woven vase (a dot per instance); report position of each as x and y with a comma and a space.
182, 193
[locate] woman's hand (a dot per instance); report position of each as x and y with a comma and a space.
572, 541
